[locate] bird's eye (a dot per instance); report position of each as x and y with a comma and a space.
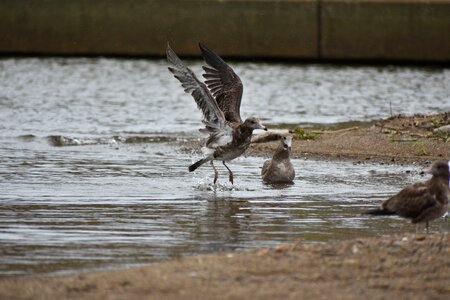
253, 122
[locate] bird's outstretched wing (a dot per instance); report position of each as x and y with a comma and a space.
223, 83
213, 117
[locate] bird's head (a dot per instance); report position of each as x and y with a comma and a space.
254, 123
286, 142
440, 168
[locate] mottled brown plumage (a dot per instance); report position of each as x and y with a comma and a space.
219, 100
224, 84
421, 202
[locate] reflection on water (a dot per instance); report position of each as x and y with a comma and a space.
92, 175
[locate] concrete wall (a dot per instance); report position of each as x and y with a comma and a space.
312, 29
400, 30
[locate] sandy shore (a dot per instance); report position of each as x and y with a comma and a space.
385, 267
398, 139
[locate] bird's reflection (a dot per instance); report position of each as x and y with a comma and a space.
223, 222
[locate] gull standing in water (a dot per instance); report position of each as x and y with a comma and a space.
279, 169
421, 202
219, 99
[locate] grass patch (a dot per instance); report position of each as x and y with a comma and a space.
420, 149
445, 136
303, 135
438, 122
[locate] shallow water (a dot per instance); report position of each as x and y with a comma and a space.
93, 175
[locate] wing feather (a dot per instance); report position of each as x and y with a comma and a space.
224, 84
213, 117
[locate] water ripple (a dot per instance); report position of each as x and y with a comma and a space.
92, 175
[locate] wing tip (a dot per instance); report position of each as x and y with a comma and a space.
172, 57
169, 53
209, 55
201, 46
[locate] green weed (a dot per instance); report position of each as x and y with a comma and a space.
302, 134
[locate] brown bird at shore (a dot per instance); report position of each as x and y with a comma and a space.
219, 99
279, 169
421, 202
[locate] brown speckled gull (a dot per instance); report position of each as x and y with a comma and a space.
421, 202
219, 99
279, 169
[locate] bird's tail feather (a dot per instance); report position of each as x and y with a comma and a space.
379, 212
198, 164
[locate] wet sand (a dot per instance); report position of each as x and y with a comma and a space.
400, 139
385, 267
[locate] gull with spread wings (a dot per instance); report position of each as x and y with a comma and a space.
219, 99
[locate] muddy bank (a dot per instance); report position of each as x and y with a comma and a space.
398, 139
386, 267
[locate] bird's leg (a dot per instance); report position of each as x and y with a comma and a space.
427, 228
229, 171
216, 175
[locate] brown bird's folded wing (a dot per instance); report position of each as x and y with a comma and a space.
411, 201
223, 83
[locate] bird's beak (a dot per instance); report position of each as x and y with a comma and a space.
287, 143
427, 170
261, 126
